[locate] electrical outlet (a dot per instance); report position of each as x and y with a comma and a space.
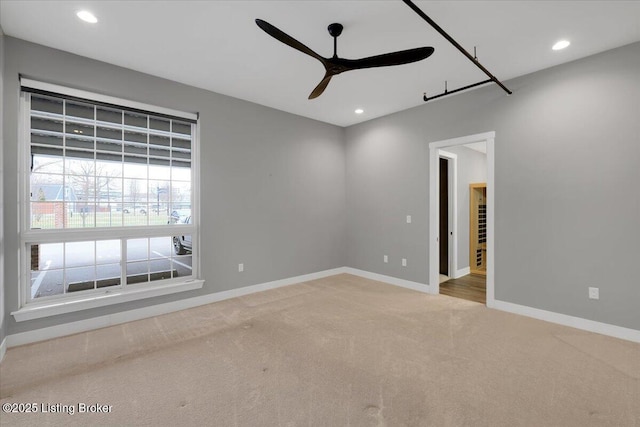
594, 293
240, 268
404, 262
385, 258
408, 219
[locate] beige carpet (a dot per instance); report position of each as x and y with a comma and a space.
341, 351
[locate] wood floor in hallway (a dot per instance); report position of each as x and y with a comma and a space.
472, 287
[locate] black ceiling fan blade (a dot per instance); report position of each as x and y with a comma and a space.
321, 86
287, 39
336, 65
395, 58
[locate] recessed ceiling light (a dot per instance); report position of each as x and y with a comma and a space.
87, 16
359, 111
561, 45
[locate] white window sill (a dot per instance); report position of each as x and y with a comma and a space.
109, 297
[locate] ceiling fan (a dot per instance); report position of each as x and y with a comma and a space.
335, 65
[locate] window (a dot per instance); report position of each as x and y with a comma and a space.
108, 184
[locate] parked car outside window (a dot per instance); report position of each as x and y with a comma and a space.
138, 209
182, 244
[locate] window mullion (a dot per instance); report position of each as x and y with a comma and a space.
149, 211
123, 263
64, 268
64, 155
105, 233
170, 203
96, 198
148, 260
95, 265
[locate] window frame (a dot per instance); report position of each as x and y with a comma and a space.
66, 303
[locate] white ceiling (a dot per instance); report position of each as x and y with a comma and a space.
216, 45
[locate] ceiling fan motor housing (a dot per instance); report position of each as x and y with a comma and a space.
335, 29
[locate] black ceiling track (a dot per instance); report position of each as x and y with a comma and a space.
471, 58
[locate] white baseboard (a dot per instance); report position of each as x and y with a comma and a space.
154, 310
420, 287
462, 272
571, 321
3, 348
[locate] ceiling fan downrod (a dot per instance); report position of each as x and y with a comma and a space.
335, 30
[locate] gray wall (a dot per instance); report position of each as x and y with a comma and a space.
567, 173
273, 184
472, 168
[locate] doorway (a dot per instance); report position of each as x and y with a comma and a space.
448, 218
444, 217
441, 239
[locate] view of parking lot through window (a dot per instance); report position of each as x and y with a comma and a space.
76, 266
